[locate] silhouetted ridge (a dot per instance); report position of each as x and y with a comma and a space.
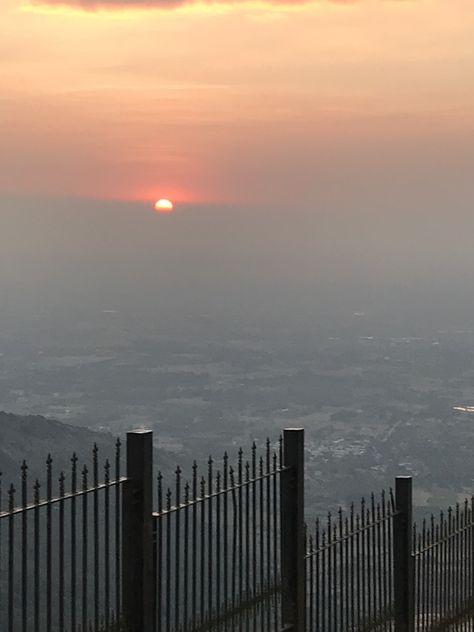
33, 437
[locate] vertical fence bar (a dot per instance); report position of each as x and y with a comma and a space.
317, 588
49, 552
117, 516
24, 549
61, 553
276, 560
106, 557
417, 564
471, 551
443, 583
167, 582
11, 558
329, 570
177, 551
159, 557
95, 474
186, 554
36, 553
254, 533
239, 523
247, 541
352, 569
1, 549
137, 540
202, 551
292, 531
85, 551
403, 567
437, 573
268, 535
210, 539
194, 542
261, 529
73, 541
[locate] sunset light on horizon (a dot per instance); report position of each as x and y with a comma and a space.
243, 102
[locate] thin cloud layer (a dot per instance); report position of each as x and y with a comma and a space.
97, 5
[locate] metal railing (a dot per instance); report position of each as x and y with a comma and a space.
60, 548
227, 550
214, 554
444, 570
217, 545
349, 569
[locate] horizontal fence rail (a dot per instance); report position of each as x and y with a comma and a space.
444, 570
217, 546
349, 569
60, 548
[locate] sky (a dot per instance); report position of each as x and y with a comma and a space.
319, 155
253, 103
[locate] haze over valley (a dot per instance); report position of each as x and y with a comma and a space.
215, 327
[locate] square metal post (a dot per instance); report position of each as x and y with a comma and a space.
293, 531
403, 564
137, 538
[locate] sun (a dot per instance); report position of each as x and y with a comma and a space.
164, 206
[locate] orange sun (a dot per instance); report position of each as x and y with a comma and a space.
164, 206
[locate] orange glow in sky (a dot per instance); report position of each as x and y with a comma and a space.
230, 102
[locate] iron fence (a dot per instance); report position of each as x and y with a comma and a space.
224, 549
217, 546
60, 548
444, 570
349, 569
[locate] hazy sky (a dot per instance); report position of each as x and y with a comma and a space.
320, 153
237, 102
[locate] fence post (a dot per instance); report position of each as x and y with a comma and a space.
137, 535
292, 536
403, 566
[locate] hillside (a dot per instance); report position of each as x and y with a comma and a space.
32, 438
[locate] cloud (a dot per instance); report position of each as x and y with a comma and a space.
98, 5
